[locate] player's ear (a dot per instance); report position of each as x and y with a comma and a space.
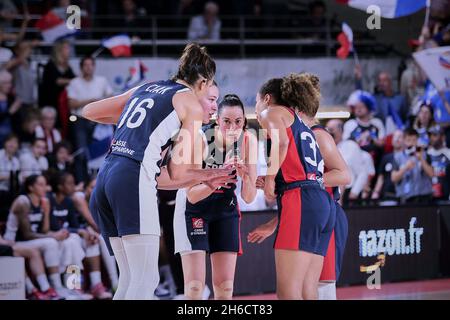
267, 99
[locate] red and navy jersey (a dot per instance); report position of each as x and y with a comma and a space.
303, 159
333, 191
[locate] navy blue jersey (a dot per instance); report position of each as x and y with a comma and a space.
36, 219
440, 161
63, 215
147, 124
333, 191
303, 159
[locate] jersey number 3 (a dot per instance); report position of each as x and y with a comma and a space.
140, 110
313, 145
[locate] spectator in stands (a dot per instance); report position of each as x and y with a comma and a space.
423, 122
57, 75
61, 160
206, 26
81, 243
9, 168
34, 163
27, 129
391, 107
36, 265
27, 224
438, 156
384, 187
359, 161
411, 173
8, 12
24, 75
134, 17
82, 90
365, 129
46, 130
8, 109
412, 85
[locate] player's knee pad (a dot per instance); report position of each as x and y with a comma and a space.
224, 290
194, 289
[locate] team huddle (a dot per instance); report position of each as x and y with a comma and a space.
164, 140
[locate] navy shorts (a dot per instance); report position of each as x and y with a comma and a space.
332, 264
306, 218
124, 200
212, 225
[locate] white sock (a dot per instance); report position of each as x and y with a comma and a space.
29, 286
124, 270
43, 282
142, 254
55, 280
327, 290
95, 277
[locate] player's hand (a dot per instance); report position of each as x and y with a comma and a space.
260, 181
61, 235
225, 182
269, 189
260, 233
209, 174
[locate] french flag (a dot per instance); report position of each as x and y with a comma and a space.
137, 74
389, 8
345, 39
53, 27
119, 45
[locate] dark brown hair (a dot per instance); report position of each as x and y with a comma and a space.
301, 91
232, 100
273, 88
195, 62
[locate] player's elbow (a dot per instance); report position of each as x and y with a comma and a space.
346, 177
87, 112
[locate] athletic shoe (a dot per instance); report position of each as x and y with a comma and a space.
162, 292
179, 297
52, 294
99, 292
37, 295
68, 294
84, 295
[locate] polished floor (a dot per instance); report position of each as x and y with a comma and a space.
438, 289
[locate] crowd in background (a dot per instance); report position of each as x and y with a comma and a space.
395, 142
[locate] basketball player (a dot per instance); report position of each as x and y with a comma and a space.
336, 174
124, 201
207, 216
306, 211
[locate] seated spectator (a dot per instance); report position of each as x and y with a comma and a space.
61, 160
82, 90
33, 259
412, 173
206, 26
359, 161
384, 187
424, 121
366, 130
27, 129
9, 167
82, 244
27, 225
134, 18
35, 162
438, 156
46, 130
391, 107
8, 109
